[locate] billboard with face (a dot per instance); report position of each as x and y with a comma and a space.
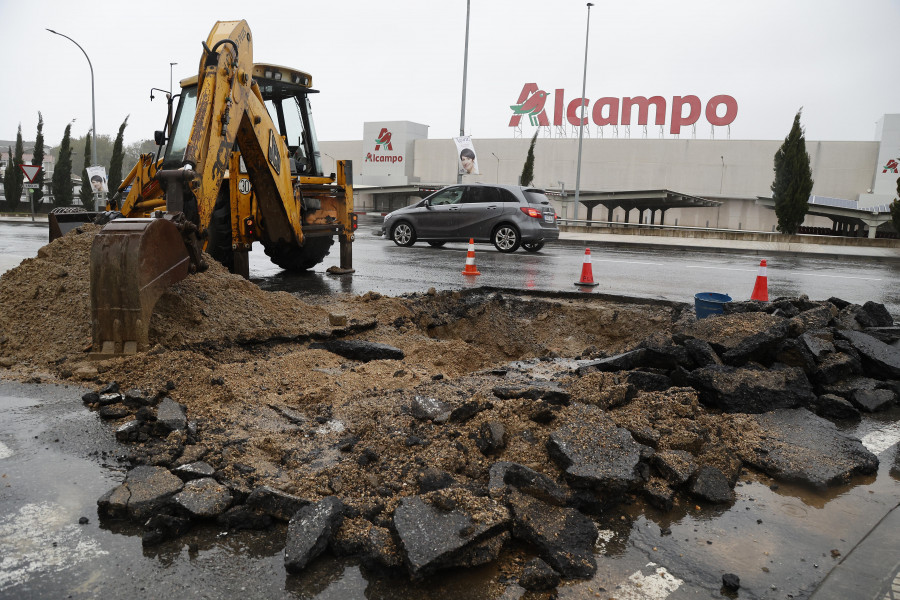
467, 161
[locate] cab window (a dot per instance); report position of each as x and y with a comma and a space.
181, 127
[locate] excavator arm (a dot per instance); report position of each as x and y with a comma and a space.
230, 110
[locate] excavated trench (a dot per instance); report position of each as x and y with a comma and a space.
513, 325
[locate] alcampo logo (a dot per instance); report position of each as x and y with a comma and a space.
384, 139
383, 142
533, 106
891, 166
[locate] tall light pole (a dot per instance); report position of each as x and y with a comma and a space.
581, 122
93, 112
498, 166
171, 90
462, 111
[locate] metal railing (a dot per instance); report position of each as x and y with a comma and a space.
623, 225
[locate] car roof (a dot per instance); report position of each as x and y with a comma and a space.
523, 188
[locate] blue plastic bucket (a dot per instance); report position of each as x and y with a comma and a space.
708, 303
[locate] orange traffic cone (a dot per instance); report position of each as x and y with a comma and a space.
761, 289
587, 274
471, 269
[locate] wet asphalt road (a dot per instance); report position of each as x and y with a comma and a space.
662, 273
57, 458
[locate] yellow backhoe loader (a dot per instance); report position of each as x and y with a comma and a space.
241, 164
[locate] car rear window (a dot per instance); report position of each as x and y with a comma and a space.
536, 197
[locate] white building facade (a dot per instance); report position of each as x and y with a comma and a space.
734, 172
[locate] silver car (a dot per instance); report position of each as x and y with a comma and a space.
508, 216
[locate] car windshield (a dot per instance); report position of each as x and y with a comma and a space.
536, 197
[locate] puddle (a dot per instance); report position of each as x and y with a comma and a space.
42, 539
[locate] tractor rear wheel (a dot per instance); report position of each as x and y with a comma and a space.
299, 258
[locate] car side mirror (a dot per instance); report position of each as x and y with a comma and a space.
159, 137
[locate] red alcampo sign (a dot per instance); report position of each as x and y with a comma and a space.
685, 110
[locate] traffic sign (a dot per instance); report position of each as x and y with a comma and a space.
30, 171
31, 186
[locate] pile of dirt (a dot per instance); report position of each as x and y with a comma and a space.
225, 350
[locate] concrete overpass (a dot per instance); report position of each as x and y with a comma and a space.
846, 217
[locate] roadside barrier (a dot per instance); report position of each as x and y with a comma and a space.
470, 260
761, 288
587, 273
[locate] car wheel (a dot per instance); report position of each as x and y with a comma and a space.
436, 244
403, 234
532, 246
506, 238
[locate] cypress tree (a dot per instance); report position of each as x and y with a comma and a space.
61, 186
14, 177
86, 194
793, 180
7, 174
527, 177
38, 159
115, 165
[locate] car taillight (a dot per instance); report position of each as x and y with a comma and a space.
531, 212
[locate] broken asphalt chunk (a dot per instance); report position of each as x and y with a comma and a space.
310, 531
360, 350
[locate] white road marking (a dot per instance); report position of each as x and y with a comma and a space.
5, 451
722, 268
792, 272
657, 586
838, 276
626, 262
41, 538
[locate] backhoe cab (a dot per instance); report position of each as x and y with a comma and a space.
241, 164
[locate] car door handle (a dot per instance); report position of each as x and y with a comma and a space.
454, 208
492, 207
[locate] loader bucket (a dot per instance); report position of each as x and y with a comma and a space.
133, 261
62, 223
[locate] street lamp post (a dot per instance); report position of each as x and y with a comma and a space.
462, 110
93, 112
498, 166
581, 121
171, 90
333, 159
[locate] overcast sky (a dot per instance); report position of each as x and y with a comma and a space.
403, 60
